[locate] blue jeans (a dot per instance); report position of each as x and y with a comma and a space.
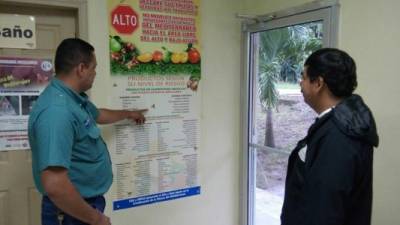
51, 214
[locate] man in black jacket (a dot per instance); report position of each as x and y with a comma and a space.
329, 177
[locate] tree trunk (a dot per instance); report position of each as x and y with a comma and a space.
269, 130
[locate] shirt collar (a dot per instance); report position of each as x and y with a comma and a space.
80, 98
325, 112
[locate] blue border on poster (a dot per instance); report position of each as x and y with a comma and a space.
159, 197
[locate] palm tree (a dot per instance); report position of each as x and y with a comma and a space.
271, 43
269, 97
281, 56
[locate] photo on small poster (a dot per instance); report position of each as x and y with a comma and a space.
22, 75
27, 103
9, 106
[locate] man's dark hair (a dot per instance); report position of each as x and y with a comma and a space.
336, 67
70, 53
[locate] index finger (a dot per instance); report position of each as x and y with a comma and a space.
142, 110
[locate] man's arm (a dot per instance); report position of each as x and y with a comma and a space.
64, 195
107, 116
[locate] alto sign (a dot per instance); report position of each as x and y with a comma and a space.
124, 19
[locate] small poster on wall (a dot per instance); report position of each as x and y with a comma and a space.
155, 57
21, 82
17, 31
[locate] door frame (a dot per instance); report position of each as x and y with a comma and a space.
254, 24
80, 6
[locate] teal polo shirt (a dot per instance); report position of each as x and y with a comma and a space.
63, 132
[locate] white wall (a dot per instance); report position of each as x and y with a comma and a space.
218, 203
369, 31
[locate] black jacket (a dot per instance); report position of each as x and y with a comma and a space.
333, 186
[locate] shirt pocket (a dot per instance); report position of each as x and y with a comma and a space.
88, 146
94, 143
94, 132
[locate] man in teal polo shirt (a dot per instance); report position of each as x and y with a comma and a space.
70, 161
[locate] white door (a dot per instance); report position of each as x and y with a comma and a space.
19, 200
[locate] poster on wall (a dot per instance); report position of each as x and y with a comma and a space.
21, 82
155, 64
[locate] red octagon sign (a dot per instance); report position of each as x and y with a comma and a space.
124, 19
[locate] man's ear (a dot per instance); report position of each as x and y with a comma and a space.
80, 69
319, 83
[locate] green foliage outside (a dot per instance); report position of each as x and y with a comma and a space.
282, 53
287, 86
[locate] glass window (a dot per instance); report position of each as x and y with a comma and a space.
276, 115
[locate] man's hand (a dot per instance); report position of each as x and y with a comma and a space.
108, 116
102, 220
137, 116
